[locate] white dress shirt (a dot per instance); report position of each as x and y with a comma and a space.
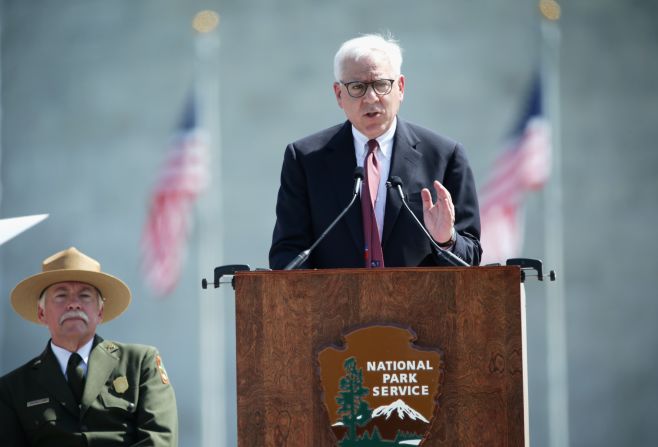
63, 355
383, 155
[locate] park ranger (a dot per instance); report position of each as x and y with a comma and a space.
83, 390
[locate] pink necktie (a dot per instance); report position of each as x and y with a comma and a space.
374, 257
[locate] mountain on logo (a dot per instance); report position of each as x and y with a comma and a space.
402, 410
390, 421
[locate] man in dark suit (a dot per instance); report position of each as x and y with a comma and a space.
83, 390
317, 176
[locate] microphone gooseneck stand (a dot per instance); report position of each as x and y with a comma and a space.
450, 257
303, 256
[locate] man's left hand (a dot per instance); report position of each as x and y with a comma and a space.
439, 217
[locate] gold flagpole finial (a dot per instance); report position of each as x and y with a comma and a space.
550, 9
205, 21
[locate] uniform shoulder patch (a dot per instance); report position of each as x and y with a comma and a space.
161, 369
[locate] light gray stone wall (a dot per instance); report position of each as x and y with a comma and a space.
92, 91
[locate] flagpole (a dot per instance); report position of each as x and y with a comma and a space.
556, 361
2, 312
214, 318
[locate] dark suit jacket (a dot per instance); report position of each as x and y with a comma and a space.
317, 182
37, 407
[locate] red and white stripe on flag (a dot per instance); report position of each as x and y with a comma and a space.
524, 166
183, 177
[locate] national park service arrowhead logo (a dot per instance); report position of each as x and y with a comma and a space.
380, 389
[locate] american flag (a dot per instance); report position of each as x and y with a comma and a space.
183, 177
522, 167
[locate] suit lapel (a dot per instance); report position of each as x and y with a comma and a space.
49, 375
341, 158
102, 361
404, 163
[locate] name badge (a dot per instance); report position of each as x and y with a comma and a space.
34, 403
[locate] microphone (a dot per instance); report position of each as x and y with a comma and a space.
453, 259
303, 256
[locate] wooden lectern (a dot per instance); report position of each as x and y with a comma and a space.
475, 316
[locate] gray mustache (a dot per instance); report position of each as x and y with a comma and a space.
74, 314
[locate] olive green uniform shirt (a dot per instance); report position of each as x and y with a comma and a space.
127, 401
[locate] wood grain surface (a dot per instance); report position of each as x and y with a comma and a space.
473, 315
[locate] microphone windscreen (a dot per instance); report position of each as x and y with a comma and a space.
395, 181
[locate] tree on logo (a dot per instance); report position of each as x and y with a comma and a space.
353, 409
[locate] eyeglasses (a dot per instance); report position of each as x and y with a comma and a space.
357, 89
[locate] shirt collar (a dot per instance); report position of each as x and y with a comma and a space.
385, 141
63, 355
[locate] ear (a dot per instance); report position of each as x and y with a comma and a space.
339, 94
41, 314
401, 86
100, 314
